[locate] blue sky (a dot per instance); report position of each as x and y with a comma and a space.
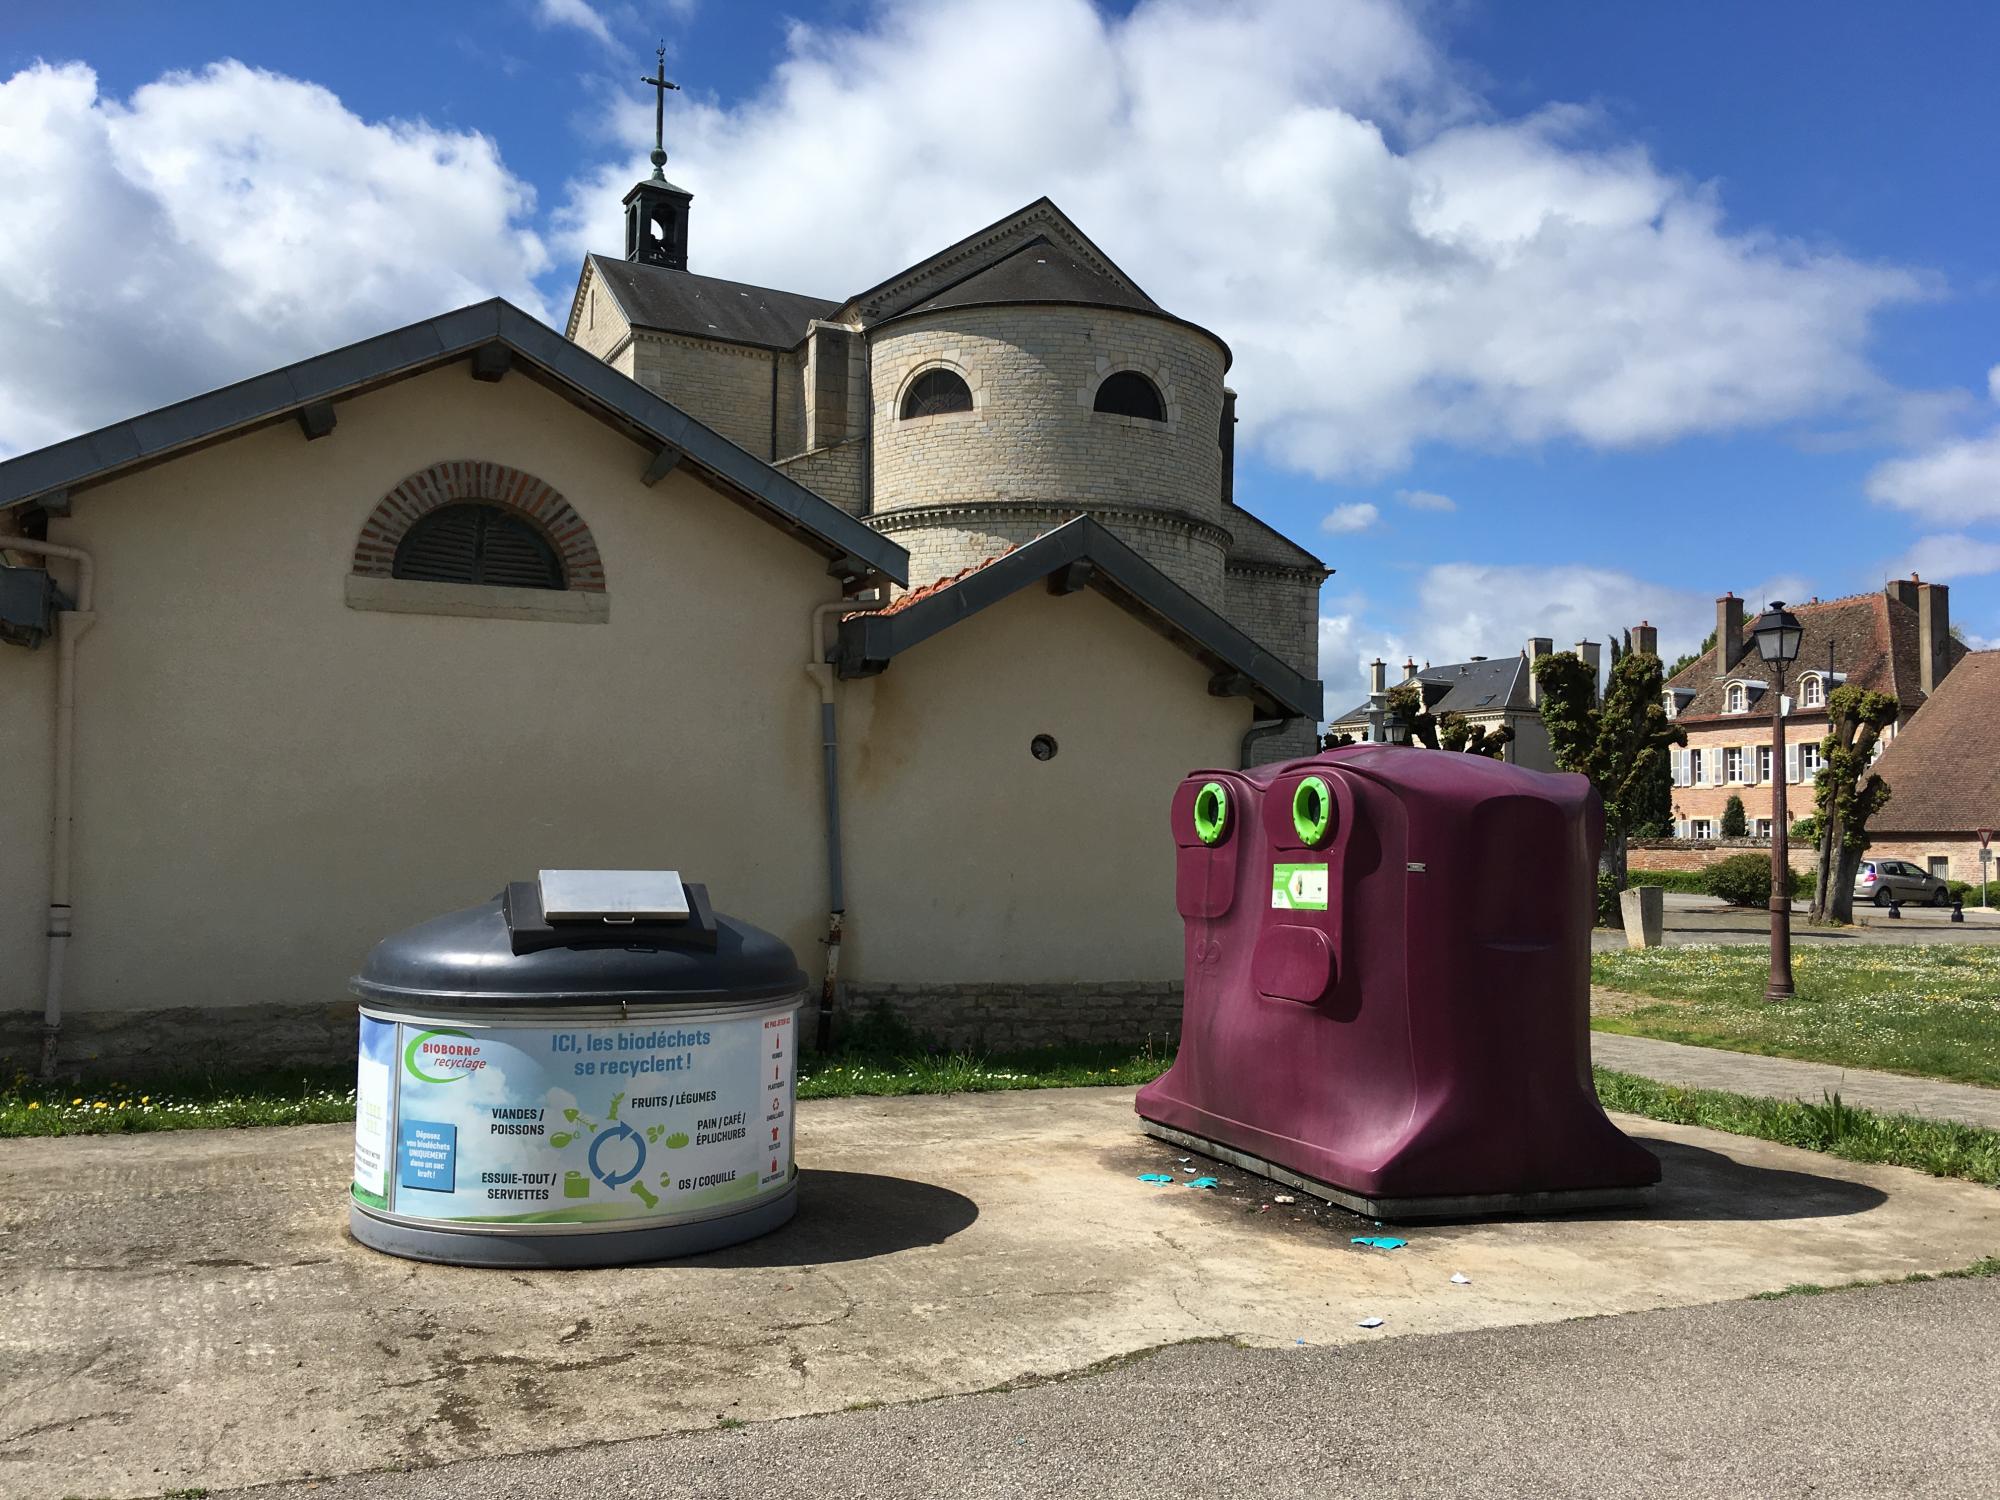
1663, 300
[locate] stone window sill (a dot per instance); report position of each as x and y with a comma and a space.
404, 596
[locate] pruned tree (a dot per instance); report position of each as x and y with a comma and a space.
1446, 731
1332, 741
1846, 794
1735, 822
1620, 742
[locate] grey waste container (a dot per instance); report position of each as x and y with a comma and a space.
592, 1068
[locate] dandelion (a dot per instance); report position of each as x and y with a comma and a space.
34, 1104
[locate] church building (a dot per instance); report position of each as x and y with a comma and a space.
895, 619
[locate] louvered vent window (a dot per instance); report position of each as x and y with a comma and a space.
478, 544
936, 392
1129, 394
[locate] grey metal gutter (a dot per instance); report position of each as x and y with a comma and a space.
279, 394
1083, 554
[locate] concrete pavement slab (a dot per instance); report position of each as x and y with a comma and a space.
186, 1309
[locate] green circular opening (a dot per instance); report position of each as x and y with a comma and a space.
1312, 810
1211, 812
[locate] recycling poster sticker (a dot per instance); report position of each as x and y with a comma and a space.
565, 1125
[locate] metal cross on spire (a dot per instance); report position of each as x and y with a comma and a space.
659, 82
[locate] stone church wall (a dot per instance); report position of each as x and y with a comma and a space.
726, 386
831, 473
1032, 440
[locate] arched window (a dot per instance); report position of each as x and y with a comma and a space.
936, 392
473, 543
1130, 394
1738, 698
1812, 691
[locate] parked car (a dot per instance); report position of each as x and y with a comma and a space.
1886, 880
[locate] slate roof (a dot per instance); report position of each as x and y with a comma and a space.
536, 351
1040, 271
1875, 646
1942, 778
708, 307
1467, 687
1081, 554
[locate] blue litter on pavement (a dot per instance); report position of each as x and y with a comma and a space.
1154, 1177
1202, 1182
1379, 1241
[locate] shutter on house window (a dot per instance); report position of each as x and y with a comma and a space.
441, 548
1677, 766
482, 544
1791, 762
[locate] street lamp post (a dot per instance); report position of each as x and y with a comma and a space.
1777, 635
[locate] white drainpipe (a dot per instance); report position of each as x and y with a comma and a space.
70, 625
821, 672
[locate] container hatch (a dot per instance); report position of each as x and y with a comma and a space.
612, 895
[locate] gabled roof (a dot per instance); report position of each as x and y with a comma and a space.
1484, 686
1082, 554
1941, 777
534, 349
981, 249
1040, 271
734, 312
1873, 637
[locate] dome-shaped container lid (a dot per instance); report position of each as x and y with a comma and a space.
641, 938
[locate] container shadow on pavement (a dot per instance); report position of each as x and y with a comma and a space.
1699, 1184
847, 1216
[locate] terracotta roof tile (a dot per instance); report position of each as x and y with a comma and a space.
1942, 779
917, 595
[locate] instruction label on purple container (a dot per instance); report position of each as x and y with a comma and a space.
1298, 887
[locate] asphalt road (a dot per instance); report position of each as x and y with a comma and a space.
1892, 1391
1704, 919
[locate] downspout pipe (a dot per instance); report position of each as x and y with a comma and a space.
820, 670
70, 626
1260, 729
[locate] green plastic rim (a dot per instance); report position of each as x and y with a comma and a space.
1211, 812
1312, 809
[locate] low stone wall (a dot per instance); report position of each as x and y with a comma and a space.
130, 1045
1699, 854
1008, 1017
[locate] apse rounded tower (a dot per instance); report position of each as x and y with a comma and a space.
1039, 388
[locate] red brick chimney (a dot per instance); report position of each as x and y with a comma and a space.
1728, 633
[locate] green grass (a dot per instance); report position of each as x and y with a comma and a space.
1978, 1270
299, 1097
1928, 1009
326, 1095
1942, 1148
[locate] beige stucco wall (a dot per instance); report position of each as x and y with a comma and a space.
268, 780
27, 687
1032, 452
968, 859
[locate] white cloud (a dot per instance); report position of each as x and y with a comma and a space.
1947, 556
1357, 517
1426, 500
575, 13
1393, 261
1958, 480
1993, 382
221, 223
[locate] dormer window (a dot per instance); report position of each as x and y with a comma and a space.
1812, 691
1739, 698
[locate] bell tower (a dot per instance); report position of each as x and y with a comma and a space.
656, 212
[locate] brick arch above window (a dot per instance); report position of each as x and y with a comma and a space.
460, 480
